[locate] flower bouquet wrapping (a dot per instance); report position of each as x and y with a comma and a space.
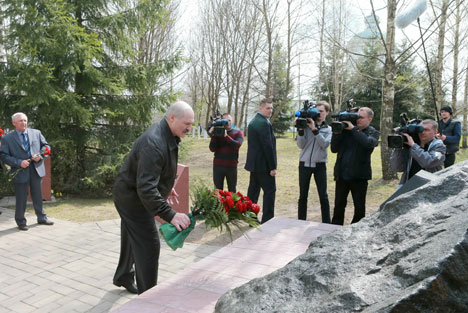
44, 154
218, 209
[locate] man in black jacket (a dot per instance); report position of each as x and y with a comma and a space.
451, 134
353, 164
141, 191
261, 159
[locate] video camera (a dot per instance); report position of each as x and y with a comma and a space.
410, 127
218, 123
350, 114
309, 110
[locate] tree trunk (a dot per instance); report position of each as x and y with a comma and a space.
440, 56
322, 29
455, 56
465, 109
388, 93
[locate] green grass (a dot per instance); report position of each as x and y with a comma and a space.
199, 159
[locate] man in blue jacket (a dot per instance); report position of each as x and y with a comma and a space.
451, 134
21, 149
261, 159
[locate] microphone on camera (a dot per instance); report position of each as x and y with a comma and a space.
412, 13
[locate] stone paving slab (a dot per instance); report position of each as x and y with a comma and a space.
68, 267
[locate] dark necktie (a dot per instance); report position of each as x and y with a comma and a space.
26, 145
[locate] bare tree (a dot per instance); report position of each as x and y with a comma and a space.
269, 11
293, 16
442, 20
456, 45
388, 90
465, 109
159, 41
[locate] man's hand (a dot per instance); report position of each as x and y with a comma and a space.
441, 137
173, 197
273, 173
349, 126
36, 158
409, 141
311, 124
180, 221
24, 163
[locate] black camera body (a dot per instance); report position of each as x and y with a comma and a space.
308, 110
410, 127
349, 115
218, 123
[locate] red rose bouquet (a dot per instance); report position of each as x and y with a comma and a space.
219, 209
1, 133
44, 154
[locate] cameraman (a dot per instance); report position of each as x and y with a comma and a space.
353, 164
226, 154
428, 155
451, 134
314, 143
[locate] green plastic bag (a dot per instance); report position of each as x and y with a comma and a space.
174, 238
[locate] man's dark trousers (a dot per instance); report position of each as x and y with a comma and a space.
268, 184
138, 231
358, 190
220, 172
21, 194
320, 177
449, 160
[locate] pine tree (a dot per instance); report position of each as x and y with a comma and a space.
73, 68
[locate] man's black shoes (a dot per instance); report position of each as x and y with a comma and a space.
23, 227
131, 287
45, 222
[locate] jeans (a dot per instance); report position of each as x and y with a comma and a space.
320, 177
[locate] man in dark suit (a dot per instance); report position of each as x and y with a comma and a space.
141, 191
261, 159
21, 149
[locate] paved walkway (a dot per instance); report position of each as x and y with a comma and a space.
68, 267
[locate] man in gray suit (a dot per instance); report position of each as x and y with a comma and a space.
21, 149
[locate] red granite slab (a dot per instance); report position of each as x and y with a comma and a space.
262, 251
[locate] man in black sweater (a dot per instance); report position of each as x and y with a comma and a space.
353, 164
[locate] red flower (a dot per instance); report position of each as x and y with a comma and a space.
46, 151
248, 204
255, 208
240, 195
241, 207
230, 201
1, 132
226, 207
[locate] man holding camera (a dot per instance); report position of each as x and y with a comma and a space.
226, 154
313, 142
428, 155
451, 134
352, 171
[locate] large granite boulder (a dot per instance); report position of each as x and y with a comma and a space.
410, 256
